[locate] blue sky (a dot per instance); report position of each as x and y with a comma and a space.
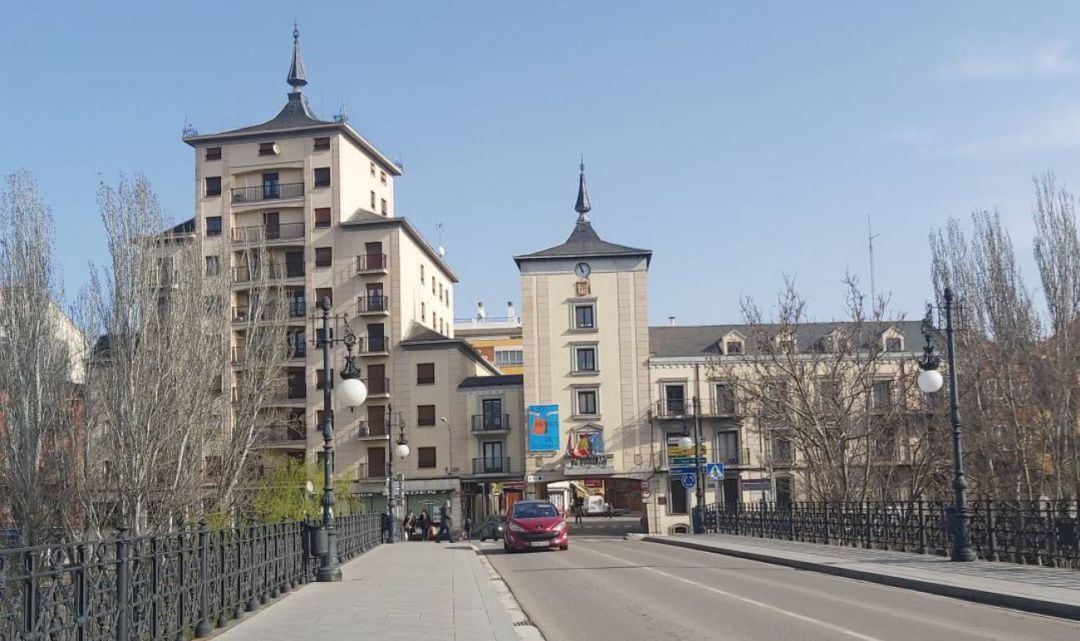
739, 141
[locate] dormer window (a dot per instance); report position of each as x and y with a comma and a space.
786, 345
894, 344
733, 346
268, 149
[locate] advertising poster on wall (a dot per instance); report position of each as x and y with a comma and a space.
543, 428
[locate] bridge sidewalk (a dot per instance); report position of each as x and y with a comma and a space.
1051, 591
405, 591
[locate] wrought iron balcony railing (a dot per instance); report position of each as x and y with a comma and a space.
268, 232
371, 263
272, 271
372, 344
491, 465
372, 303
269, 191
489, 423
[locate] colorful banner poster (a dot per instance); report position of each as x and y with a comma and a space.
543, 428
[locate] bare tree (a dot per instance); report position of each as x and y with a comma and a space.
40, 372
830, 398
151, 407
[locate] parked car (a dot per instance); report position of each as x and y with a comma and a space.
491, 528
535, 524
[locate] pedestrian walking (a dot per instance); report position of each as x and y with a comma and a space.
466, 528
424, 523
408, 525
578, 509
444, 523
608, 511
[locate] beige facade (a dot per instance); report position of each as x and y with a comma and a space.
498, 338
319, 198
586, 344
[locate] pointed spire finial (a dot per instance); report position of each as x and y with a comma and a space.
297, 75
582, 206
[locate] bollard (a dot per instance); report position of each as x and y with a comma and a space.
202, 628
123, 596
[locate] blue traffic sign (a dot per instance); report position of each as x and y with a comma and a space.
715, 471
677, 470
689, 481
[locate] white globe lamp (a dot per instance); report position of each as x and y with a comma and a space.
686, 443
930, 381
352, 392
402, 450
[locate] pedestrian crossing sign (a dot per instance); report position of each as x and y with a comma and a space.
715, 471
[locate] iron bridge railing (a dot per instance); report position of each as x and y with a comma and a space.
169, 586
1035, 533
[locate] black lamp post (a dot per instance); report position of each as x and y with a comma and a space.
401, 450
686, 441
930, 381
353, 392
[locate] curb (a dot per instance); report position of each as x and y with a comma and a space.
524, 627
1026, 604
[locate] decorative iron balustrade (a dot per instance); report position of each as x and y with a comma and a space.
490, 422
165, 587
267, 232
267, 191
1032, 533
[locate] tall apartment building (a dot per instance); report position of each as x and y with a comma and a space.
319, 197
498, 338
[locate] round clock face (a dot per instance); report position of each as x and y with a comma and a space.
582, 270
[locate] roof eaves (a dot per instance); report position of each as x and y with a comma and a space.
377, 221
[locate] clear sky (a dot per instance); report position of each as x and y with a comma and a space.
738, 141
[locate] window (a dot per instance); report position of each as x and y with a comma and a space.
505, 357
372, 173
828, 394
677, 499
320, 416
725, 399
213, 225
733, 347
673, 401
425, 457
372, 201
775, 401
881, 395
585, 316
425, 373
382, 177
320, 376
584, 359
382, 206
586, 402
324, 292
322, 176
727, 448
423, 312
425, 414
268, 149
213, 153
324, 256
894, 344
213, 265
319, 336
322, 143
440, 292
421, 274
213, 185
433, 286
322, 217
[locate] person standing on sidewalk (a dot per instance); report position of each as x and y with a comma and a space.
407, 526
466, 528
424, 523
444, 523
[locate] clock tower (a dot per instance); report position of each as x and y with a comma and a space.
586, 381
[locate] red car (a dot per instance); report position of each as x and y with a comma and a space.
535, 524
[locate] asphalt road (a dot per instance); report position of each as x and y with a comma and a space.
617, 590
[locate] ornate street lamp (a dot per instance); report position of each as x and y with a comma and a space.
402, 451
930, 381
353, 392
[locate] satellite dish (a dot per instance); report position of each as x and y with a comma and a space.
442, 251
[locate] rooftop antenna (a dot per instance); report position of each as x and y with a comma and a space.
189, 129
341, 115
870, 238
439, 231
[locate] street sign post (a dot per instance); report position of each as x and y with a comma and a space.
715, 471
689, 481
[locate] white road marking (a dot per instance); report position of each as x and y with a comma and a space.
760, 604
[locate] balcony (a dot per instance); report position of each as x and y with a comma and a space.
297, 309
269, 191
289, 433
491, 465
373, 305
372, 264
374, 431
732, 458
366, 471
487, 424
377, 386
272, 271
673, 408
587, 465
680, 408
268, 233
372, 346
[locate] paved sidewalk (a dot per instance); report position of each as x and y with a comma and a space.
405, 591
1051, 591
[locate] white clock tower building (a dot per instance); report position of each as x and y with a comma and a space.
586, 379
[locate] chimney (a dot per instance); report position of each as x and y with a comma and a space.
510, 313
480, 314
671, 321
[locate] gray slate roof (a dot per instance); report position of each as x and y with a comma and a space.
584, 242
504, 380
702, 340
296, 113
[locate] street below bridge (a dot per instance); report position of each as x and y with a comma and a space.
608, 589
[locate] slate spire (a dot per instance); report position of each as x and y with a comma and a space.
582, 206
297, 75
